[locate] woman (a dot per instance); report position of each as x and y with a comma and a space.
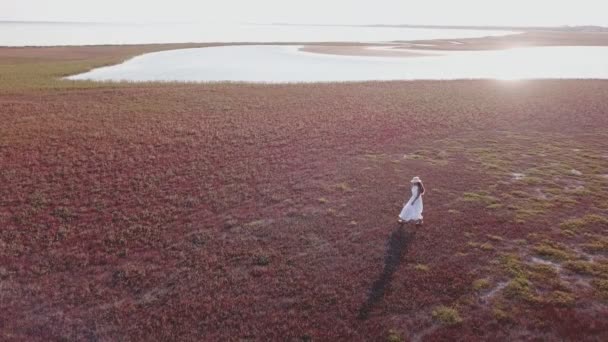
412, 211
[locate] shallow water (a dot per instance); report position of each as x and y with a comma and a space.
278, 64
49, 34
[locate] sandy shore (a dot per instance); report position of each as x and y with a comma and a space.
423, 47
526, 39
369, 51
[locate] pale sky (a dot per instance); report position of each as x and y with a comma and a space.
437, 12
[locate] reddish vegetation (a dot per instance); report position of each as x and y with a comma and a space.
226, 212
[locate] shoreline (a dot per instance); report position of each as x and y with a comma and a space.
367, 51
434, 46
410, 48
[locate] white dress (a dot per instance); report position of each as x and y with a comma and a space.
412, 212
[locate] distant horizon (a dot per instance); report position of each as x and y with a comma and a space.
513, 13
464, 26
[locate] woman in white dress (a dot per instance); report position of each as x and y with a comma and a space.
412, 210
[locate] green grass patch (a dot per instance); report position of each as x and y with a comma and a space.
258, 223
519, 288
481, 284
513, 265
473, 244
580, 267
568, 233
480, 197
494, 206
421, 268
584, 222
599, 245
43, 72
486, 247
542, 271
531, 180
553, 251
521, 215
561, 298
500, 314
543, 275
393, 336
601, 286
520, 194
494, 237
344, 187
447, 316
434, 157
597, 269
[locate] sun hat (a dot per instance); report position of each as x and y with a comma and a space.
416, 180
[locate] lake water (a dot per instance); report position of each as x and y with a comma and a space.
49, 34
287, 64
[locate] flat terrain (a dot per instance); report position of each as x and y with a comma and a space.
395, 50
268, 212
424, 47
524, 39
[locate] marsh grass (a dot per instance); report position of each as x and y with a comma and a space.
561, 298
519, 287
584, 222
501, 314
482, 197
46, 69
447, 316
481, 284
433, 157
596, 244
394, 336
601, 286
554, 251
486, 247
344, 187
421, 268
588, 268
560, 178
495, 238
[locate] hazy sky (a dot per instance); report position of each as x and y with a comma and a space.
446, 12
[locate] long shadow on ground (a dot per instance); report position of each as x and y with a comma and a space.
397, 246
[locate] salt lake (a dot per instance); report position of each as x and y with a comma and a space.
280, 64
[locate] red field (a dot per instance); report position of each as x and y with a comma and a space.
241, 212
